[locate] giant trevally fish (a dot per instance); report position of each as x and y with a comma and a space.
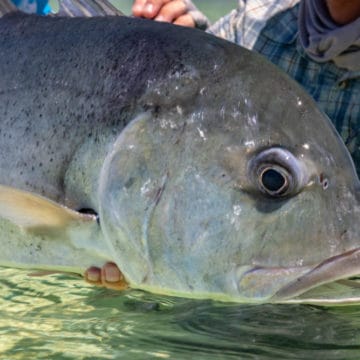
196, 166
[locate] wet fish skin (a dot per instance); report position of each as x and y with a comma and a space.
157, 128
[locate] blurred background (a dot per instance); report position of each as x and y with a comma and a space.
213, 9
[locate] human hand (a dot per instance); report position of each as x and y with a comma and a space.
172, 11
108, 276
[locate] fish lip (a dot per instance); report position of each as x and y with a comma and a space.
258, 283
338, 267
264, 284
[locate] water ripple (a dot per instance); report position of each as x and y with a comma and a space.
59, 317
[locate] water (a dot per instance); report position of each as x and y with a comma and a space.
60, 317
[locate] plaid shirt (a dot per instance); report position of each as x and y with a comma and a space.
270, 28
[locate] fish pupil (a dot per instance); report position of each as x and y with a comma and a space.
272, 180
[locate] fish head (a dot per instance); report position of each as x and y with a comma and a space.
230, 184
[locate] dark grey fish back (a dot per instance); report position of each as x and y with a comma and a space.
65, 80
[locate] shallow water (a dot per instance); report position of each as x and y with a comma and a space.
60, 317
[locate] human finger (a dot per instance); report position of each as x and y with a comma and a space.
185, 20
148, 8
171, 11
138, 7
108, 276
93, 275
112, 278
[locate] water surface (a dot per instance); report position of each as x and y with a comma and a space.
61, 317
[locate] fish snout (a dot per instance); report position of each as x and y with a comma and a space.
333, 281
339, 267
260, 284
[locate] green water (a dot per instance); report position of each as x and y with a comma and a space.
59, 317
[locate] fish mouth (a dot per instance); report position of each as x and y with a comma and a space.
331, 270
329, 282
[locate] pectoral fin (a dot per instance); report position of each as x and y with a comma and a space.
37, 233
31, 211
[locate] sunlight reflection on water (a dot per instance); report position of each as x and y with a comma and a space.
59, 317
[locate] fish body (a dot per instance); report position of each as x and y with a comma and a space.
208, 172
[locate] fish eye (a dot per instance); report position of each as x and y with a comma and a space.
276, 172
274, 181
